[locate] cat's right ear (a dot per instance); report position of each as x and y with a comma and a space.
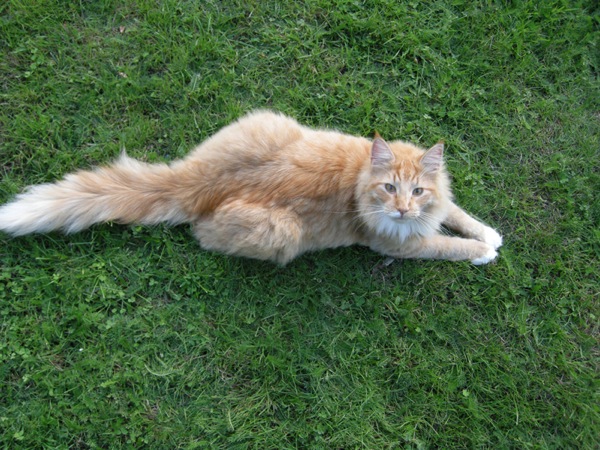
433, 159
381, 153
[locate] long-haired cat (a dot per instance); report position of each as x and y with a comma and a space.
266, 187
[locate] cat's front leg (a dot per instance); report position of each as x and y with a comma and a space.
440, 247
468, 226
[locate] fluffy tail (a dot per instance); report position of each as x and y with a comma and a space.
128, 191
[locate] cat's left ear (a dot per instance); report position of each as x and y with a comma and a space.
433, 158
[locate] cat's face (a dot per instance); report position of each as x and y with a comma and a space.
402, 189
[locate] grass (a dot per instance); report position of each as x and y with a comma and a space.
131, 337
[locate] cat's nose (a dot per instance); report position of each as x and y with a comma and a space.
402, 211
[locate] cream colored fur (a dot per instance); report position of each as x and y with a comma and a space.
266, 187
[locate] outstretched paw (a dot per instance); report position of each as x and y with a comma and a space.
489, 256
491, 237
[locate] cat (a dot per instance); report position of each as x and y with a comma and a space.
266, 187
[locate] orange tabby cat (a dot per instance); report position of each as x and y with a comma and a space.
266, 187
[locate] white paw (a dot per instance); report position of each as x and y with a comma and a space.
488, 257
491, 237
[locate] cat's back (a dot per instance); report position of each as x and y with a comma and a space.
255, 135
271, 155
269, 159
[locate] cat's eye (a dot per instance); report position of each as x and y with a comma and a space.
390, 188
417, 191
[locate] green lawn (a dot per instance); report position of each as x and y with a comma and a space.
134, 337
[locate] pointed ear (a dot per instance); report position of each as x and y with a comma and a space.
433, 159
381, 154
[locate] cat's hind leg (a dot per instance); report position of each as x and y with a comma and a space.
251, 230
458, 220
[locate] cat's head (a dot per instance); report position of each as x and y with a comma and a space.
405, 190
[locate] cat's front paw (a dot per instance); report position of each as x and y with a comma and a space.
487, 257
491, 237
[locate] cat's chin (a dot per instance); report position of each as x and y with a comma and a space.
401, 228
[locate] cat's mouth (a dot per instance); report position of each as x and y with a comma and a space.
400, 216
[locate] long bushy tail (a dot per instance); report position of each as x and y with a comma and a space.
128, 191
